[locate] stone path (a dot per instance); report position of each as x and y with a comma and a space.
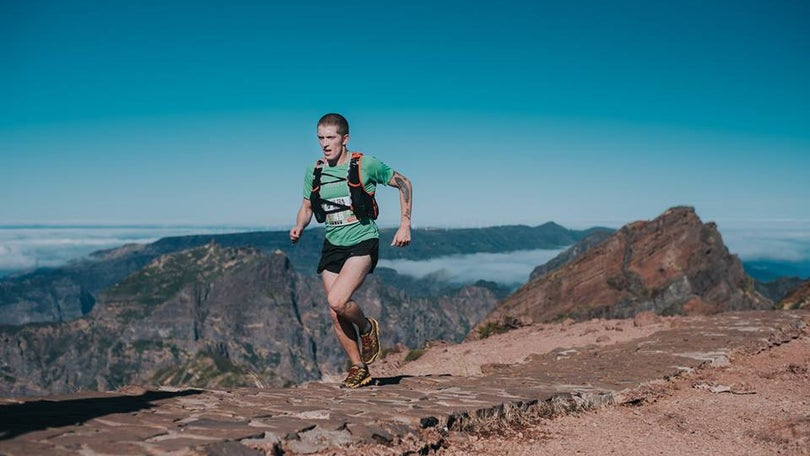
401, 415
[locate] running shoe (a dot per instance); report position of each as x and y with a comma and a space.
358, 376
370, 348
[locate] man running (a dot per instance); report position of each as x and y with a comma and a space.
350, 250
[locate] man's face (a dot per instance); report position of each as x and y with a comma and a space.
331, 142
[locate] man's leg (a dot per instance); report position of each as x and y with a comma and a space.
344, 311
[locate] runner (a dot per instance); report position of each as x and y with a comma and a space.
350, 250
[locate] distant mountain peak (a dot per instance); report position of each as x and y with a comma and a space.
551, 225
673, 264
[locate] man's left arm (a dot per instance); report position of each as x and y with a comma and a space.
403, 235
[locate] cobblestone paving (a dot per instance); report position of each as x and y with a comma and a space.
406, 413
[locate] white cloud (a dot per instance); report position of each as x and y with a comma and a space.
506, 268
13, 260
785, 240
23, 248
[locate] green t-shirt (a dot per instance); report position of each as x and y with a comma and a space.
343, 228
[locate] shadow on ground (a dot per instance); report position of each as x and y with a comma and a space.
383, 381
17, 419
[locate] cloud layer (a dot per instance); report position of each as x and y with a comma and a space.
23, 248
776, 241
506, 268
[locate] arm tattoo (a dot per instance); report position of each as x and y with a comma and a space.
403, 188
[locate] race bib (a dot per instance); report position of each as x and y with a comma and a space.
344, 217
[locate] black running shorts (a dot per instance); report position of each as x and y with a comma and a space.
333, 256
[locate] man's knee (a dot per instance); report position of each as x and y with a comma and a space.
334, 316
338, 304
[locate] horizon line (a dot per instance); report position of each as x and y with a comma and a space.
572, 224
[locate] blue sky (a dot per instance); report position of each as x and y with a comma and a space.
512, 112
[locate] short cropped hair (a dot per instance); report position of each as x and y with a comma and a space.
336, 120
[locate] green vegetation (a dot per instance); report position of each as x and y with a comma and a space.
507, 323
750, 285
274, 359
117, 350
121, 373
414, 354
6, 375
164, 278
205, 369
128, 315
143, 345
561, 317
252, 356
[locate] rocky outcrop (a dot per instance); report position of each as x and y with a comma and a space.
674, 264
778, 289
573, 252
798, 298
207, 316
217, 317
43, 297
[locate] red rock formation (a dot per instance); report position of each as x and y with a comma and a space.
798, 298
674, 264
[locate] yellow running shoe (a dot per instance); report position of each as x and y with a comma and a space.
370, 348
358, 376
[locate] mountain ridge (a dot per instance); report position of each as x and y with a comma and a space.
673, 264
217, 316
68, 292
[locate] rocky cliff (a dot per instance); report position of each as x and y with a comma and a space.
778, 289
48, 295
798, 298
214, 316
571, 253
674, 264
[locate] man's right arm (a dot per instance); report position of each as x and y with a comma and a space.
301, 220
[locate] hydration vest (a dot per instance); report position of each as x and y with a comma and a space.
363, 204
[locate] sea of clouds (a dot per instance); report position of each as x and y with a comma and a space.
511, 268
23, 248
26, 247
783, 241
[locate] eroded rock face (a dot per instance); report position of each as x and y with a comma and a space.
798, 298
674, 264
49, 296
578, 249
216, 317
206, 316
778, 289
